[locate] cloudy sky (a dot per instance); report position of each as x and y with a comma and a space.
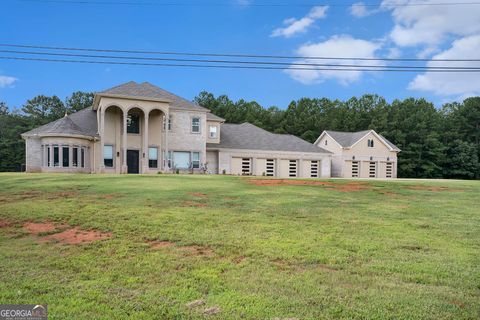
391, 29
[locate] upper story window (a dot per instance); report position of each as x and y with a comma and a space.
169, 123
326, 142
370, 143
213, 132
133, 123
195, 125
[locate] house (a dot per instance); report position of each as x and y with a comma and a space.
363, 154
141, 128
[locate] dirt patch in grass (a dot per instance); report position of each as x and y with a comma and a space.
413, 248
160, 244
458, 303
342, 187
301, 267
5, 223
195, 303
211, 311
198, 194
196, 250
239, 259
77, 236
40, 227
194, 204
434, 188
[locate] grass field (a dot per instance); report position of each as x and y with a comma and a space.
337, 249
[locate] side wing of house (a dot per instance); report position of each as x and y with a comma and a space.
370, 157
328, 143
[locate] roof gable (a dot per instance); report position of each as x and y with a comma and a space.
349, 139
146, 91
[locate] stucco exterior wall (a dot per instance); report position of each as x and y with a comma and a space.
228, 161
33, 156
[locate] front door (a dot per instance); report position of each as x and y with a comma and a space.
132, 161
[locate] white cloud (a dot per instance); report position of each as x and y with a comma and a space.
394, 53
360, 10
6, 81
336, 46
294, 26
452, 84
430, 25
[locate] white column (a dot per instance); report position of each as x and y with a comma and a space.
51, 156
124, 168
60, 155
167, 117
102, 139
145, 143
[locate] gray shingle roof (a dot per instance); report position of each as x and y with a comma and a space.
211, 116
347, 139
83, 122
248, 136
148, 90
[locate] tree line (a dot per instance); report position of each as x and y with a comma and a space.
435, 143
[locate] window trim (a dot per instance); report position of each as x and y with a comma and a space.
139, 124
199, 125
210, 131
113, 155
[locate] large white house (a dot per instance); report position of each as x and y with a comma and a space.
140, 128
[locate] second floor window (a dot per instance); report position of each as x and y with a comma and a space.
133, 123
169, 123
213, 132
370, 143
195, 125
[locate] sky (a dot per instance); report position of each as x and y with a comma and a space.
242, 26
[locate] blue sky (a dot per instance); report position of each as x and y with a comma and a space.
238, 26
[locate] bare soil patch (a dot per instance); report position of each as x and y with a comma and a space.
211, 311
5, 223
342, 187
77, 236
198, 194
197, 250
36, 228
194, 204
160, 244
434, 188
195, 303
239, 259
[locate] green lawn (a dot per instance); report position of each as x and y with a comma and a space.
387, 250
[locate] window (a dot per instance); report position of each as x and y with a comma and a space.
213, 132
372, 173
314, 169
370, 143
168, 159
355, 169
82, 157
108, 156
326, 142
48, 157
246, 166
270, 167
292, 168
388, 170
181, 160
75, 157
195, 125
133, 123
169, 123
55, 156
65, 157
153, 157
196, 160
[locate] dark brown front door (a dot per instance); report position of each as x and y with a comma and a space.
133, 161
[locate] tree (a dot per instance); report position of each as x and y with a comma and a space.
43, 109
79, 100
461, 160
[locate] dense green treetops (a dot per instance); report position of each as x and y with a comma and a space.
435, 143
